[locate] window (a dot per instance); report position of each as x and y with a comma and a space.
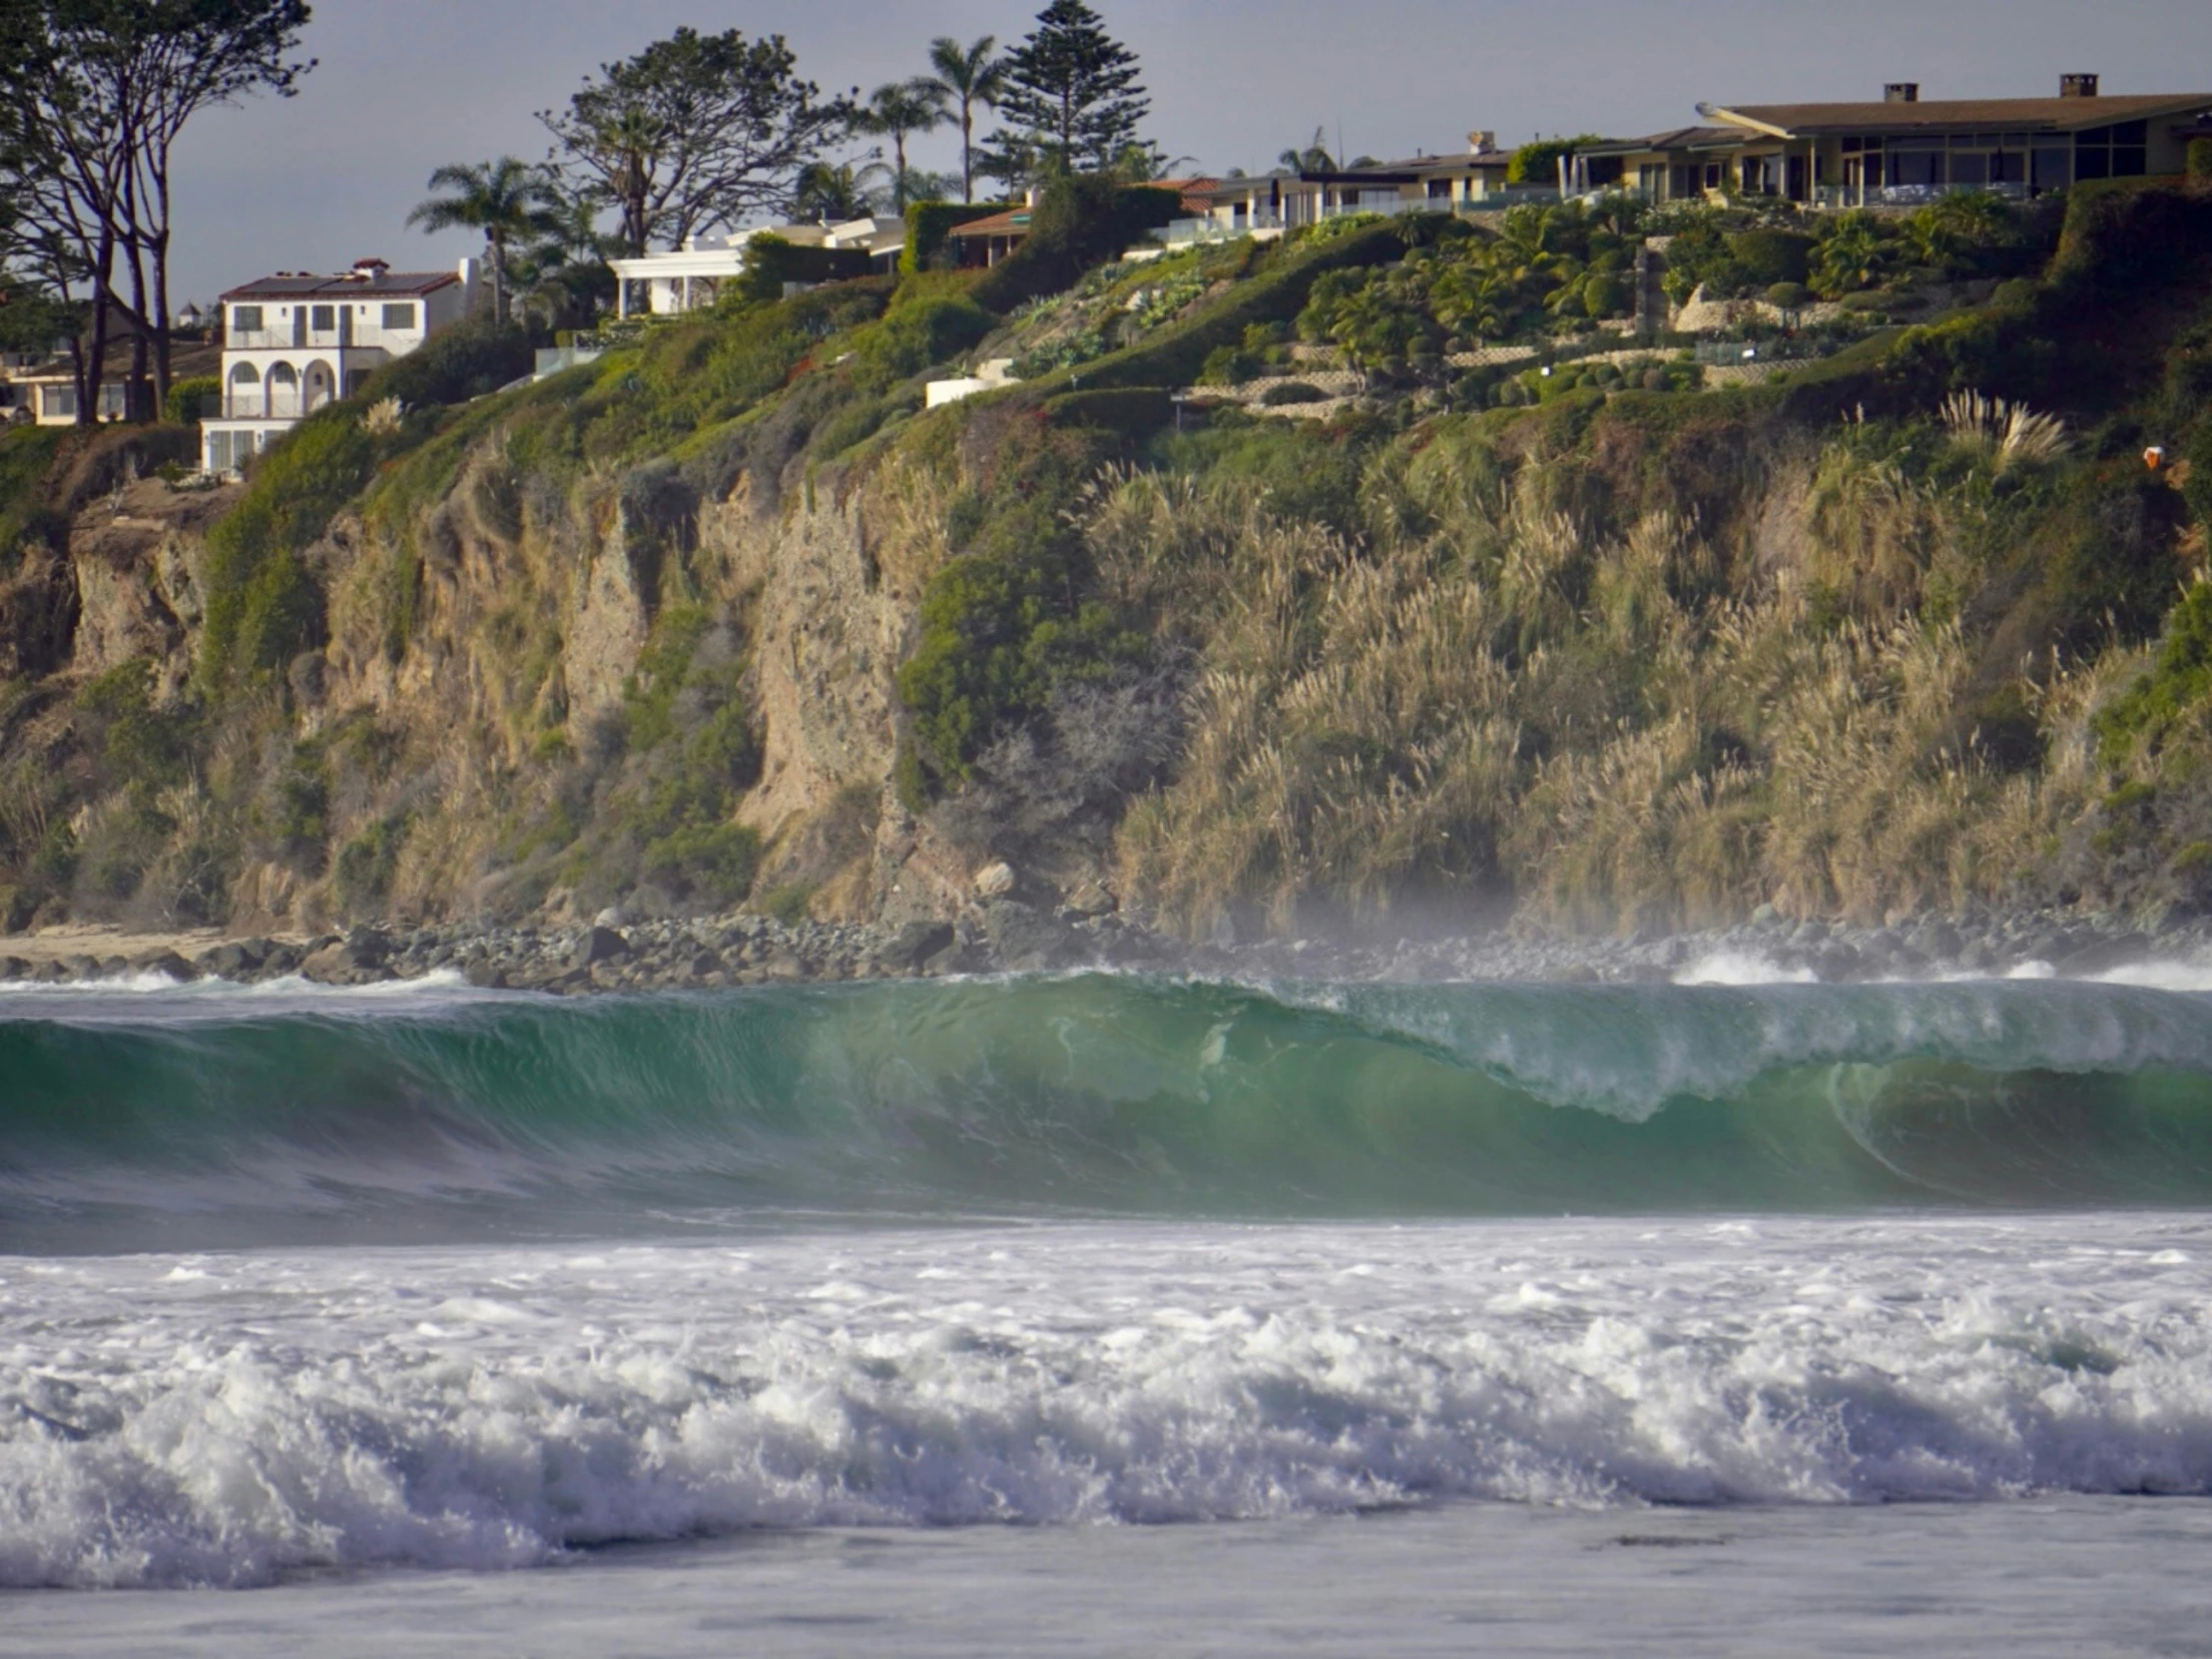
326, 319
399, 317
2051, 168
218, 452
58, 402
245, 319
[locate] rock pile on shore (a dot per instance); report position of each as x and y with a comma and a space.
1005, 935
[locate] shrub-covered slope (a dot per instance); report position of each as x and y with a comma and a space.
726, 618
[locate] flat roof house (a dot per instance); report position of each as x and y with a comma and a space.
1473, 180
1904, 149
691, 278
42, 390
293, 343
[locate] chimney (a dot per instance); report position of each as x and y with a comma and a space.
1901, 91
2078, 86
370, 269
1482, 143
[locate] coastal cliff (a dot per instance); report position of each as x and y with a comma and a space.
728, 621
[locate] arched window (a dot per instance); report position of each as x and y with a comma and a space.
246, 394
283, 391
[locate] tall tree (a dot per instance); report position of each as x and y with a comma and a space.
102, 90
896, 112
510, 200
831, 193
968, 76
1074, 89
693, 133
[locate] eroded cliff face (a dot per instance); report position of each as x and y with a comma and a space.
474, 718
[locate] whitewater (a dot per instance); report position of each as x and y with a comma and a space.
795, 1316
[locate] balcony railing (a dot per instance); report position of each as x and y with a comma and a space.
317, 339
254, 406
1908, 196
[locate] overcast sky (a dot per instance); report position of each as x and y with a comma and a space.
316, 182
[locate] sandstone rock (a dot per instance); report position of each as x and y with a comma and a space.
1025, 939
1092, 899
598, 945
235, 958
994, 881
337, 965
916, 944
166, 964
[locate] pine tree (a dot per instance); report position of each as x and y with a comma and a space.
1073, 90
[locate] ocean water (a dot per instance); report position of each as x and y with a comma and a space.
1096, 1314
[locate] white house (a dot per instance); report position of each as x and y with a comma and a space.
669, 284
292, 344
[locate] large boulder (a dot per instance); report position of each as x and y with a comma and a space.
598, 945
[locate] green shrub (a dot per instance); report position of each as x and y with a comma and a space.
455, 366
1135, 412
368, 865
1292, 391
710, 860
2199, 158
263, 607
790, 904
1788, 297
1009, 618
191, 401
2179, 683
142, 746
771, 262
1271, 298
1768, 257
918, 335
27, 455
1230, 365
1080, 221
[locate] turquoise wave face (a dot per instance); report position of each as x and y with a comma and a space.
197, 1120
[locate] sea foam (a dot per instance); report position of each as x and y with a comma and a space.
246, 1417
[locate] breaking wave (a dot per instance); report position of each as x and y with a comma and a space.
139, 1121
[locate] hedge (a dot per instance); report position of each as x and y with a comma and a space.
771, 262
1079, 223
1133, 411
930, 224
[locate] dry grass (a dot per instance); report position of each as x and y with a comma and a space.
1482, 695
2008, 434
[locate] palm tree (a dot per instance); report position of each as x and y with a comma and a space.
1314, 158
507, 199
897, 109
832, 193
974, 75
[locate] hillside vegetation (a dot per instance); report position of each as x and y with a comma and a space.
727, 618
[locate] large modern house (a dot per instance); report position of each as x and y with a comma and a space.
1904, 149
691, 278
292, 344
1895, 152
